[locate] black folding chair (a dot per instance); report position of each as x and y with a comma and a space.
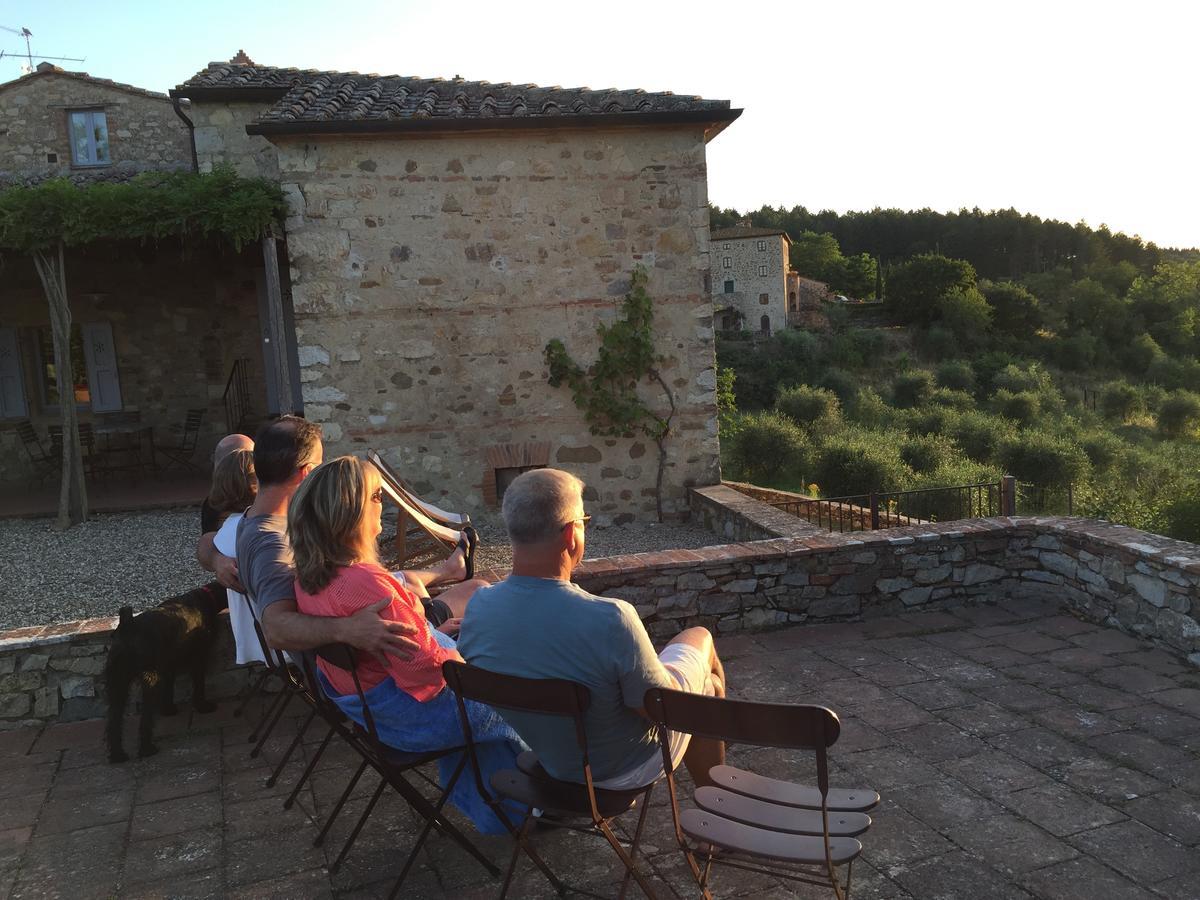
182, 452
755, 823
87, 445
532, 787
43, 463
393, 766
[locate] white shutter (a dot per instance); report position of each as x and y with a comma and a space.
12, 385
101, 356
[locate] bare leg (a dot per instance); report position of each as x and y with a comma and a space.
704, 753
456, 596
452, 568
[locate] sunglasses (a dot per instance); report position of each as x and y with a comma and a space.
583, 519
377, 496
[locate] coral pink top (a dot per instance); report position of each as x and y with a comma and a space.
359, 586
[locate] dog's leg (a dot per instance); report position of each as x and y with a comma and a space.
167, 692
200, 701
118, 694
152, 687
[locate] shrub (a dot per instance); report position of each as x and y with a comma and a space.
1182, 515
859, 463
949, 399
956, 375
767, 446
915, 288
966, 314
1023, 407
1031, 377
1043, 459
870, 410
928, 419
1102, 449
926, 453
939, 342
1078, 352
857, 347
978, 434
843, 384
912, 388
1119, 401
1015, 310
809, 407
1142, 353
944, 506
987, 366
1179, 414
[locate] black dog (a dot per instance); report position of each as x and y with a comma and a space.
152, 647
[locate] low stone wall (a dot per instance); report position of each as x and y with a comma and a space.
1141, 583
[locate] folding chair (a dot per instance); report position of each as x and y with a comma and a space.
87, 445
433, 528
189, 436
532, 787
763, 824
392, 765
43, 463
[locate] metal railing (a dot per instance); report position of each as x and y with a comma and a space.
237, 395
893, 509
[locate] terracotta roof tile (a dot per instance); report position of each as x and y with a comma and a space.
741, 231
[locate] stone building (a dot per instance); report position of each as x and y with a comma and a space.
749, 278
442, 231
157, 329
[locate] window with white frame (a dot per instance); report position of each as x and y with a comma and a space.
88, 131
726, 262
762, 271
762, 245
725, 246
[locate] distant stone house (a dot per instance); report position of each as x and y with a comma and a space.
157, 331
749, 278
441, 232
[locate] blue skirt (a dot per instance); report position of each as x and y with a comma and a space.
414, 727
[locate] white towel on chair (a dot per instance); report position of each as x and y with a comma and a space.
241, 618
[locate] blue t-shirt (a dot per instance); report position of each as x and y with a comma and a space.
546, 628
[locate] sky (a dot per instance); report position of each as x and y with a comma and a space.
1068, 110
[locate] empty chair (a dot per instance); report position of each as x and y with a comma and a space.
422, 529
43, 462
181, 452
763, 824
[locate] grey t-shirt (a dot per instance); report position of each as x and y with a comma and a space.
546, 628
264, 559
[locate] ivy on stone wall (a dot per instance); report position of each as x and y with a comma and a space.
606, 392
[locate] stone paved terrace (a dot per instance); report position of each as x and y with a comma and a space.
1020, 752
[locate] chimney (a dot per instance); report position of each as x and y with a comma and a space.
241, 59
745, 223
47, 67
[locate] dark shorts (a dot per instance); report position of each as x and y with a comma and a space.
437, 612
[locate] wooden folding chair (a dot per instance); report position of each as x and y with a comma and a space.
755, 823
532, 787
422, 529
392, 765
44, 464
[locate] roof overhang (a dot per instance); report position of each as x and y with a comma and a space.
230, 95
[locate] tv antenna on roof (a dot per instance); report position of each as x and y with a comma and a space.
27, 34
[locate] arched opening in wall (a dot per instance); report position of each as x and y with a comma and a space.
765, 324
504, 462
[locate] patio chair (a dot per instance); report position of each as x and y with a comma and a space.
393, 767
532, 787
414, 538
87, 445
755, 823
181, 453
43, 463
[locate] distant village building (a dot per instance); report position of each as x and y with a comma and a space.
440, 233
749, 278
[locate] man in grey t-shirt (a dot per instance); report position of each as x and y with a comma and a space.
595, 641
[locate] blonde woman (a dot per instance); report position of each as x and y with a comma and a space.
333, 524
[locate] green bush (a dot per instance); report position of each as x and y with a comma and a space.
956, 375
857, 347
1182, 515
978, 433
1102, 449
966, 314
809, 407
1119, 401
859, 463
949, 399
843, 384
987, 367
1077, 352
1179, 414
1031, 378
767, 447
939, 342
870, 410
1023, 407
926, 453
1043, 459
928, 419
943, 506
913, 388
1142, 353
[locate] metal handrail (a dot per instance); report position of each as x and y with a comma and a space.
886, 509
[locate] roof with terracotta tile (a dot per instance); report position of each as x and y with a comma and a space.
739, 232
45, 70
308, 99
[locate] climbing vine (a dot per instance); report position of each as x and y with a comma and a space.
607, 391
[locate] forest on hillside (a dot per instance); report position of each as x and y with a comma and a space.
1066, 356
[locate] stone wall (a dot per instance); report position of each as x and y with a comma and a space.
429, 273
750, 288
1141, 583
220, 133
144, 133
178, 323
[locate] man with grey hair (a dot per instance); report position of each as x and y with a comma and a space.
537, 624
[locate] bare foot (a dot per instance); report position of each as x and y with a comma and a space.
454, 567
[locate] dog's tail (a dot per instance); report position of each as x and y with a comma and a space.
126, 615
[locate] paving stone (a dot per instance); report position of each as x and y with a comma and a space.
954, 876
1138, 852
944, 805
1059, 810
853, 657
1144, 753
1083, 878
189, 886
1064, 626
160, 858
1175, 814
1018, 697
71, 734
1135, 679
1093, 696
1107, 640
1156, 661
984, 719
998, 656
267, 857
892, 673
12, 845
1040, 747
956, 640
167, 817
934, 695
314, 883
971, 676
982, 617
889, 767
992, 772
1078, 658
895, 715
33, 780
85, 863
178, 782
92, 779
18, 741
19, 812
898, 837
76, 811
1180, 886
1044, 675
1012, 844
1184, 699
1075, 722
938, 741
1157, 721
857, 735
1027, 641
851, 693
1108, 782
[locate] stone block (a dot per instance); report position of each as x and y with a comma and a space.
892, 585
45, 703
20, 681
1060, 563
77, 686
915, 596
1149, 588
933, 575
34, 662
978, 573
14, 705
1112, 569
835, 606
694, 581
719, 604
795, 579
742, 586
854, 584
1046, 542
8, 664
866, 558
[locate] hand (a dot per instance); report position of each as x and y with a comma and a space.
226, 570
367, 631
450, 627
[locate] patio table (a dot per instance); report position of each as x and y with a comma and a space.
130, 439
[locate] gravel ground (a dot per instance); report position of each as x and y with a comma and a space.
140, 559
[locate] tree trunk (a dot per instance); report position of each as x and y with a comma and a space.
72, 495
